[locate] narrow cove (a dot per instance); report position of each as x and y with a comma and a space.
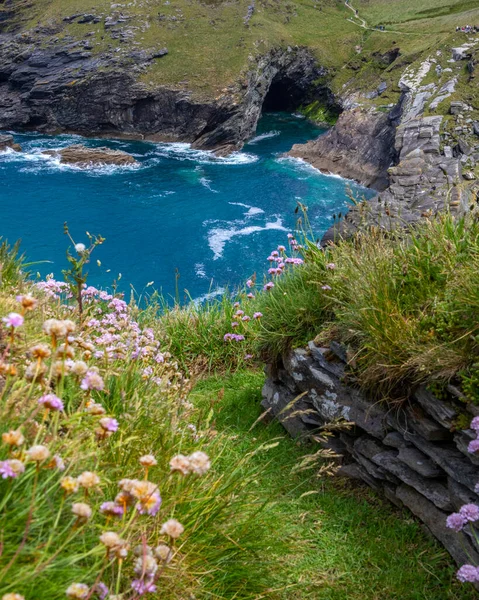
181, 214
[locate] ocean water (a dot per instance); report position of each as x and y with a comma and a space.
182, 219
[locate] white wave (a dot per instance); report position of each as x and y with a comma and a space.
214, 294
298, 116
252, 210
183, 151
306, 167
200, 270
36, 162
218, 237
206, 183
264, 136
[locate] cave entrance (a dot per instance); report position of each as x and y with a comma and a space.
284, 94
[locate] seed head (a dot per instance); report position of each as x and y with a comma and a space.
13, 597
172, 528
199, 463
27, 301
88, 480
110, 539
146, 565
82, 510
180, 464
40, 351
163, 553
79, 368
70, 484
78, 591
38, 453
148, 460
13, 438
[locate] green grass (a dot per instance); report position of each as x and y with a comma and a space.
406, 306
341, 540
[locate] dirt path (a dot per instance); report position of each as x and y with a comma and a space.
362, 22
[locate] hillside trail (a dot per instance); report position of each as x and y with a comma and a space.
363, 23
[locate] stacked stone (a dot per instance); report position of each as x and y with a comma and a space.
414, 453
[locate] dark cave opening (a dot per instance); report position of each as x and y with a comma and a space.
284, 94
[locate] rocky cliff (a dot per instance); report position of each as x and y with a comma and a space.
54, 87
415, 454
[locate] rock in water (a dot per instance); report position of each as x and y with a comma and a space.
6, 141
77, 154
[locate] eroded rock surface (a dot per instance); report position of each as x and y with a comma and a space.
78, 154
360, 146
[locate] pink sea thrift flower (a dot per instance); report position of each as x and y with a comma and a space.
326, 287
92, 381
468, 573
473, 446
455, 521
470, 512
109, 424
143, 586
268, 286
330, 266
13, 320
51, 401
475, 424
257, 315
6, 470
250, 283
101, 590
246, 318
250, 296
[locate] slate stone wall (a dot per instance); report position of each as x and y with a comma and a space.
414, 454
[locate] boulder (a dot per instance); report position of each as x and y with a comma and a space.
77, 154
6, 141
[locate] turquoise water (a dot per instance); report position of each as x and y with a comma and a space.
211, 220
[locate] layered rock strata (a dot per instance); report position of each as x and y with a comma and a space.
77, 154
415, 454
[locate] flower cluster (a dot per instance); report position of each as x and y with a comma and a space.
467, 516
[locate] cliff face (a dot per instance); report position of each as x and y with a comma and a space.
360, 146
64, 87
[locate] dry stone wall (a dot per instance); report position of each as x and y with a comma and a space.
415, 454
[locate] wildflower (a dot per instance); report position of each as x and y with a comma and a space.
6, 470
40, 351
473, 446
65, 351
326, 287
109, 424
69, 325
150, 505
82, 510
55, 328
268, 286
475, 424
199, 462
250, 283
146, 565
38, 453
468, 573
246, 318
80, 248
142, 550
58, 462
234, 324
331, 266
456, 521
236, 305
110, 539
92, 381
79, 591
470, 512
13, 597
250, 296
112, 509
13, 438
100, 590
87, 479
51, 401
13, 320
181, 464
257, 315
16, 466
70, 484
141, 586
164, 553
282, 248
239, 313
79, 368
148, 460
248, 356
172, 528
95, 408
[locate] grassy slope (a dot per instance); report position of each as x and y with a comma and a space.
209, 45
343, 541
